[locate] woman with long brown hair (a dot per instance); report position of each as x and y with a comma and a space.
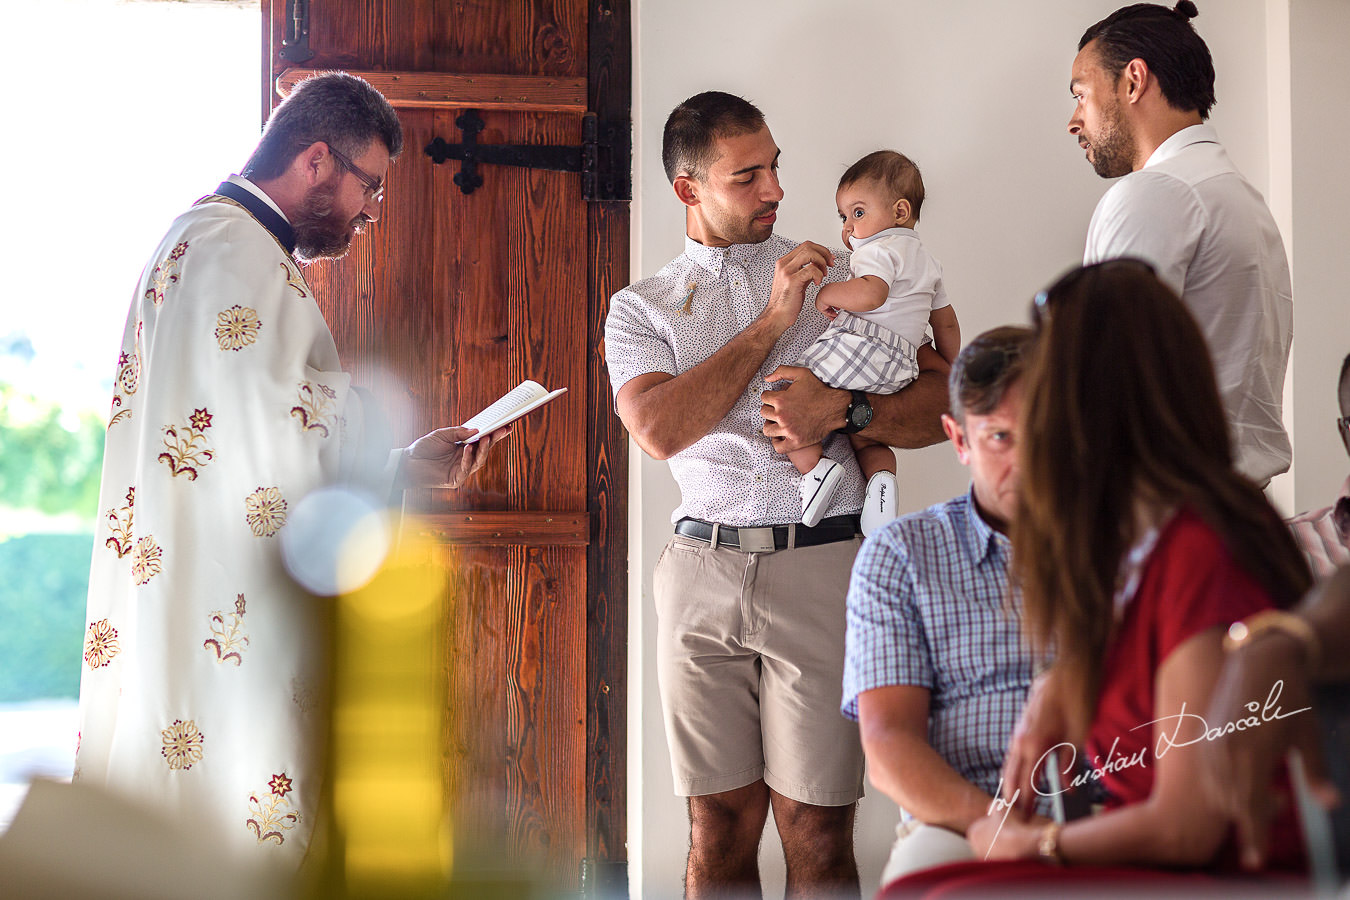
1136, 546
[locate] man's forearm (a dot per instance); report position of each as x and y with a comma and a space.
909, 771
911, 417
672, 414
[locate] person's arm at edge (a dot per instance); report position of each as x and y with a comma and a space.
1327, 609
1241, 767
893, 721
666, 413
808, 410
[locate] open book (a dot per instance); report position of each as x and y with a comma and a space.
512, 405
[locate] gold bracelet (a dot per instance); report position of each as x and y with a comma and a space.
1048, 845
1242, 633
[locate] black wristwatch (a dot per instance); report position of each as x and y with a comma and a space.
859, 414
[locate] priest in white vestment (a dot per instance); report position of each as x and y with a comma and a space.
204, 664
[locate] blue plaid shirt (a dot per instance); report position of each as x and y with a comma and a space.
929, 606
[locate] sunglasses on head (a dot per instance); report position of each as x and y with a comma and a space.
1045, 300
987, 366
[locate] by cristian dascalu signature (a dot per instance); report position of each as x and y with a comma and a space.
1200, 730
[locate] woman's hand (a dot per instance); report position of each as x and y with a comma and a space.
1001, 836
1042, 725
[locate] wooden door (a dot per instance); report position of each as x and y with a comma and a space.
455, 298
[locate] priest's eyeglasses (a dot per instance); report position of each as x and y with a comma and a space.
374, 186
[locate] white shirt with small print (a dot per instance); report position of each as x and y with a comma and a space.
682, 315
1209, 235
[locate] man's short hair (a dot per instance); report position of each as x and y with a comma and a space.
693, 128
341, 110
987, 367
1165, 40
893, 171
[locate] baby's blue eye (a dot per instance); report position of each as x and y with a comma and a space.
858, 213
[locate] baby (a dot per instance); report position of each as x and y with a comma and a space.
879, 320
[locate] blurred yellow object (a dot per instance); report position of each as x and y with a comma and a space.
391, 830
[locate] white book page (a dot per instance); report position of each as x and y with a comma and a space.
521, 399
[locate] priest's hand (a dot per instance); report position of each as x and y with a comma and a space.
438, 459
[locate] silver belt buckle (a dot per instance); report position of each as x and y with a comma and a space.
755, 540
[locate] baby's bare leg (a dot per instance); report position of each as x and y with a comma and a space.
873, 457
805, 458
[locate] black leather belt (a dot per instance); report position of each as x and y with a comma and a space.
772, 537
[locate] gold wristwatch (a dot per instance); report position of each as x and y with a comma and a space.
1047, 848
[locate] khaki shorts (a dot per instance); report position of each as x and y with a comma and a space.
750, 659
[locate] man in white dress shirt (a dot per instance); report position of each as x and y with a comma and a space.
1144, 85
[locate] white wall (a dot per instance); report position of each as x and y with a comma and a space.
1320, 84
976, 92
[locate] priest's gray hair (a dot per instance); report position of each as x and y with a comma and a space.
339, 109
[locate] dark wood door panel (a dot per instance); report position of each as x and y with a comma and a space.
524, 37
484, 292
515, 666
449, 301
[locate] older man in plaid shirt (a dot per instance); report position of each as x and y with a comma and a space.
935, 671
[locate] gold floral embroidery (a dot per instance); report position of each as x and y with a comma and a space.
237, 327
270, 817
228, 641
119, 523
101, 645
145, 561
183, 744
294, 279
186, 447
266, 511
127, 380
165, 274
316, 409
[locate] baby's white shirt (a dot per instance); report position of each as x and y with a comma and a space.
898, 257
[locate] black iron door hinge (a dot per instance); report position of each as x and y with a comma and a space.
295, 46
604, 158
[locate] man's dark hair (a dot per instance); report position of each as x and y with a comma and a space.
695, 125
339, 109
1165, 40
986, 368
893, 171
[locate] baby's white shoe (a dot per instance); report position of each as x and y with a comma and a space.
818, 487
879, 504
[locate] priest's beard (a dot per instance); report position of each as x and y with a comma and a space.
320, 232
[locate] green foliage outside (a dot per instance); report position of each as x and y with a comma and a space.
42, 593
49, 479
43, 466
